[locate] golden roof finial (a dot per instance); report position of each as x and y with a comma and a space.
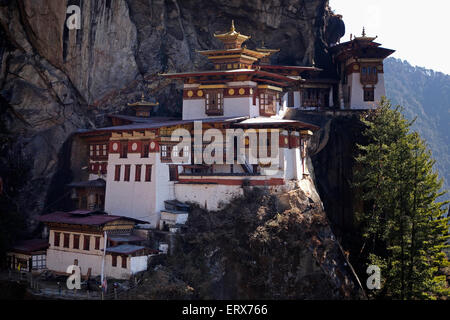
143, 102
232, 39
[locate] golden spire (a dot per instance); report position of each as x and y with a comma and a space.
232, 39
143, 102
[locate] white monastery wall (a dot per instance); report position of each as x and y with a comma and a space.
357, 92
207, 196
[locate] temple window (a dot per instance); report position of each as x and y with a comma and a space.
76, 241
315, 97
369, 74
66, 240
124, 262
166, 151
97, 243
267, 103
56, 239
145, 149
127, 172
148, 172
114, 261
117, 173
137, 175
369, 94
124, 149
86, 243
173, 172
214, 102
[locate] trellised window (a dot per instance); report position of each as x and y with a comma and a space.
369, 74
214, 102
267, 103
166, 152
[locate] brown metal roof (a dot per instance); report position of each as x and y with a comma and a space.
124, 249
91, 219
29, 246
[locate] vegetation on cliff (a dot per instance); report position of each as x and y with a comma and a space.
260, 246
404, 227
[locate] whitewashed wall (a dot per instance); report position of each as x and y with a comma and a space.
138, 264
357, 92
207, 196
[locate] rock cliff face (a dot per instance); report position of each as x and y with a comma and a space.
54, 80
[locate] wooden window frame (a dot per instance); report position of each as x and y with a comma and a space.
148, 172
57, 239
124, 262
137, 172
97, 243
76, 241
117, 172
369, 74
145, 151
267, 103
86, 242
66, 240
123, 150
369, 94
127, 173
166, 152
214, 102
173, 172
114, 260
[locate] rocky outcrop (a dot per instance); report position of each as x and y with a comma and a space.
260, 246
333, 149
54, 80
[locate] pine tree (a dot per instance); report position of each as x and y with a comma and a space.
403, 223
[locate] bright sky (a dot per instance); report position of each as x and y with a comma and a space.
418, 30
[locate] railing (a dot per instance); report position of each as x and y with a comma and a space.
39, 288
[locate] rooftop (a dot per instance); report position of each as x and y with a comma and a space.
124, 249
83, 217
28, 246
98, 183
125, 238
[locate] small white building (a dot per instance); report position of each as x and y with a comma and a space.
78, 238
360, 64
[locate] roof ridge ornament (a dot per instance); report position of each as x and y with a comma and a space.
232, 39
